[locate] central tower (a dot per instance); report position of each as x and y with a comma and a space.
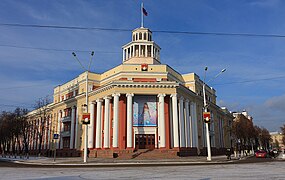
141, 50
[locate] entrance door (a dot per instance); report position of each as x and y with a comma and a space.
145, 141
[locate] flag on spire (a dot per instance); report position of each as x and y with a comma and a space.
144, 11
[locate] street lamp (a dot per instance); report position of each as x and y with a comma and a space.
85, 121
207, 121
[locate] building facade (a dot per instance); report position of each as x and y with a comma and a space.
277, 140
140, 104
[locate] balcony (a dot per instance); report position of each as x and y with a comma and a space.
65, 133
66, 119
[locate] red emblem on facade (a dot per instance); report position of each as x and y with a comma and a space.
144, 67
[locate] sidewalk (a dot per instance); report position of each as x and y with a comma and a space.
100, 162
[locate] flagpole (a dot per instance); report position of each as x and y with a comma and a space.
142, 14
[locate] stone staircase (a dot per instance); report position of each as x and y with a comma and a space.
149, 154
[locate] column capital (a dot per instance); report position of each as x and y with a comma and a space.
173, 95
99, 100
92, 102
73, 107
116, 94
187, 100
130, 94
107, 97
181, 98
161, 95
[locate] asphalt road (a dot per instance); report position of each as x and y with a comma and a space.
256, 169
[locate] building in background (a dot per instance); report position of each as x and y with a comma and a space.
140, 104
276, 140
244, 133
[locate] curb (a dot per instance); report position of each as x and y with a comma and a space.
121, 164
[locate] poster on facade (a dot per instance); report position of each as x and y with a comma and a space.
145, 113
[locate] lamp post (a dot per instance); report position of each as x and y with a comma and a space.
209, 157
85, 121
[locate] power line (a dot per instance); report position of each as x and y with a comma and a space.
63, 27
11, 105
128, 30
253, 80
19, 87
51, 49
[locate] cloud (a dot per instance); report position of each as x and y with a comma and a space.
268, 114
277, 103
265, 3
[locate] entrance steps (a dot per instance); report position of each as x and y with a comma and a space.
149, 154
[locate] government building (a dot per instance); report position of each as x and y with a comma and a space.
142, 105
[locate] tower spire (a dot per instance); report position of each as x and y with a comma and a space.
142, 14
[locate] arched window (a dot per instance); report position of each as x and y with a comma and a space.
144, 36
136, 36
140, 36
133, 37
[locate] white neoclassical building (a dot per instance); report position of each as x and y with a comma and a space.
140, 104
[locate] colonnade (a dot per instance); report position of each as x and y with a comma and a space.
141, 50
183, 122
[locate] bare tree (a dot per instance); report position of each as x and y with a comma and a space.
263, 137
22, 129
43, 112
283, 132
6, 131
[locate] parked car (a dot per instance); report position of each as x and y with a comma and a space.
261, 154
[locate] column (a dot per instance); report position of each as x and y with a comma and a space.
175, 120
194, 125
129, 120
45, 132
91, 126
139, 50
152, 51
116, 119
145, 50
35, 136
124, 55
133, 51
58, 129
187, 123
107, 123
99, 124
72, 127
76, 129
181, 122
161, 121
61, 129
49, 131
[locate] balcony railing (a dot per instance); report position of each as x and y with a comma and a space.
65, 133
66, 119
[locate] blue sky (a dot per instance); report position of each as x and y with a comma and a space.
28, 74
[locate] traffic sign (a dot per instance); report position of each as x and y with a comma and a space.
55, 136
207, 117
86, 118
